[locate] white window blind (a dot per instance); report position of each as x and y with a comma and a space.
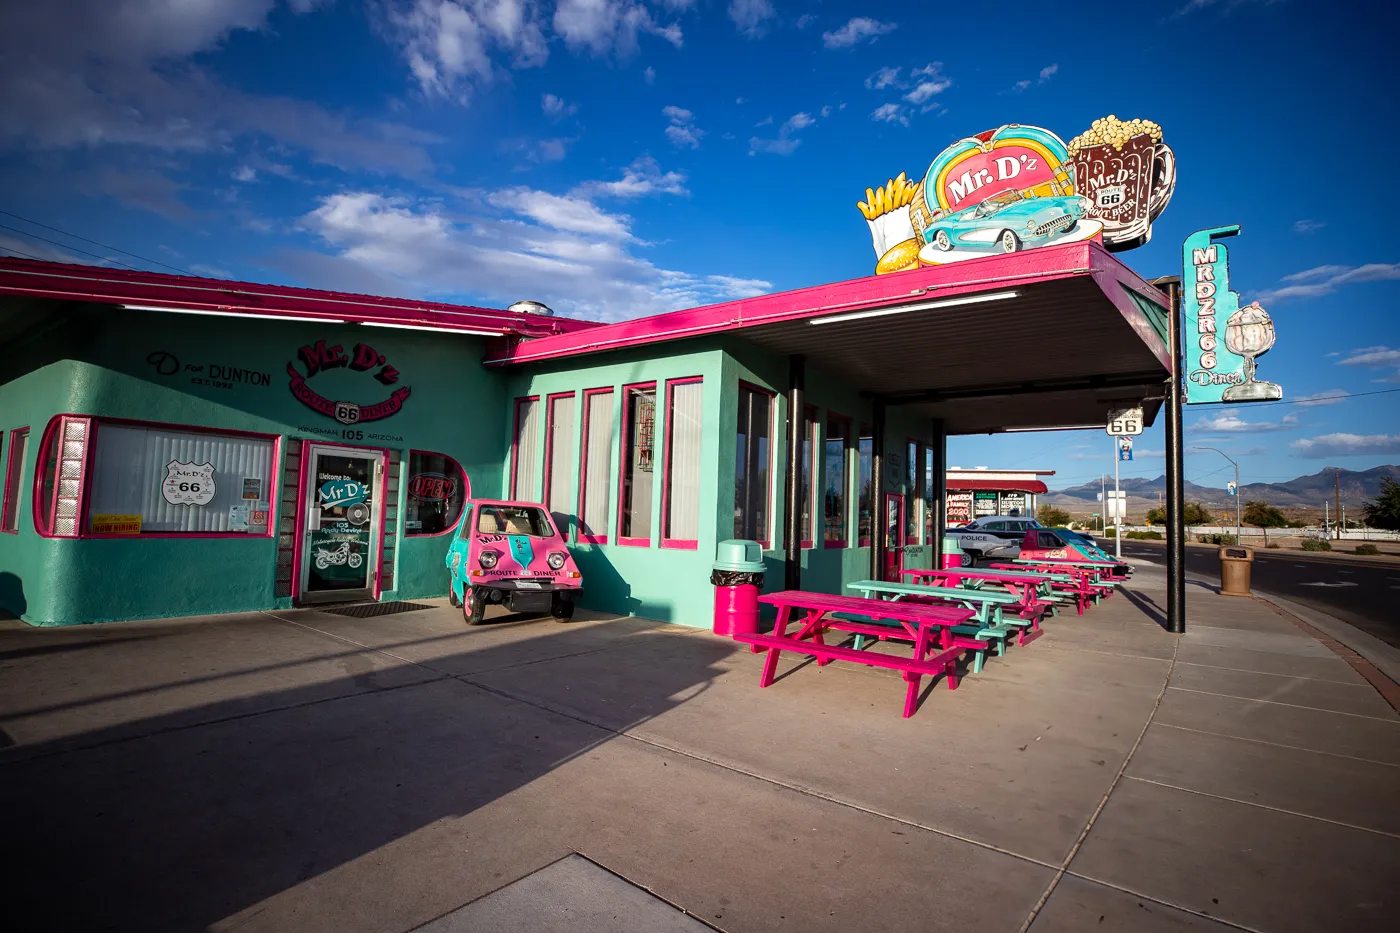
527, 450
561, 459
597, 464
683, 463
129, 468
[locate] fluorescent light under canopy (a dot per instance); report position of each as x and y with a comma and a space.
916, 306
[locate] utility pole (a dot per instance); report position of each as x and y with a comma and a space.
1338, 478
1237, 489
1103, 508
1326, 520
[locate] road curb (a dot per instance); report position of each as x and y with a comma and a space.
1384, 658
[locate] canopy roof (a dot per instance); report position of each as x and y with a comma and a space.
997, 485
158, 291
1048, 337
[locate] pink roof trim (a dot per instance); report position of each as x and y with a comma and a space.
927, 283
98, 284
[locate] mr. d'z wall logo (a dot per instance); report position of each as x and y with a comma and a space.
318, 358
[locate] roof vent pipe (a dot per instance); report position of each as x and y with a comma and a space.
531, 307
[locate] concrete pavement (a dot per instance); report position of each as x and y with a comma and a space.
310, 771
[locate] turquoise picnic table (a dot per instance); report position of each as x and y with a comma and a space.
1090, 579
1026, 584
989, 624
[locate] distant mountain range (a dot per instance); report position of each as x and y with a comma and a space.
1303, 492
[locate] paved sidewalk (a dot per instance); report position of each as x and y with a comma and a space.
312, 771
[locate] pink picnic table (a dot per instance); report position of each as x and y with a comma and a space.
1025, 586
1083, 583
936, 647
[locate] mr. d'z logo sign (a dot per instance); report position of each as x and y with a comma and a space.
363, 358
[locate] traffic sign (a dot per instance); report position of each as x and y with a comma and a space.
1124, 421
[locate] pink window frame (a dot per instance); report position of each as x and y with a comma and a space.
9, 499
54, 430
809, 533
874, 486
95, 429
678, 543
583, 465
766, 542
515, 440
466, 492
844, 540
549, 401
625, 449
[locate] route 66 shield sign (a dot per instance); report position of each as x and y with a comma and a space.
188, 483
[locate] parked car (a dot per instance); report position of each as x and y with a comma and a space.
511, 553
1006, 221
1064, 544
994, 536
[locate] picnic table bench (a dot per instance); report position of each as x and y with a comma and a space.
990, 606
1083, 583
1029, 587
935, 650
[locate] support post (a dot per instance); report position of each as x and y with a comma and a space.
1117, 510
877, 490
938, 502
792, 480
1176, 468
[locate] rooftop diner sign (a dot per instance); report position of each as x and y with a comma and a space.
1222, 339
1019, 187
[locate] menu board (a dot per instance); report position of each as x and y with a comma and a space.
984, 503
1013, 503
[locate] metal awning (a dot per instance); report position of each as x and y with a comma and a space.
997, 485
1048, 337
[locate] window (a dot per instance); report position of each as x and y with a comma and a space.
559, 458
866, 500
680, 501
911, 493
167, 480
752, 457
525, 451
59, 476
19, 449
597, 464
513, 520
637, 482
809, 471
930, 499
437, 487
1047, 539
836, 481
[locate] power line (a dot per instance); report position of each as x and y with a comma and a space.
11, 249
35, 236
155, 262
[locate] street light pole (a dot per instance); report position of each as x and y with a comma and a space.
1237, 488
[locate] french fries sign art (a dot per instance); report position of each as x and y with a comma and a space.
1019, 187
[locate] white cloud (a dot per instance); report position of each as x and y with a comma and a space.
890, 113
1229, 422
1195, 6
857, 30
1323, 280
558, 249
751, 16
1308, 226
643, 177
93, 73
1347, 445
1372, 356
557, 107
448, 43
608, 27
805, 20
885, 77
683, 133
1325, 397
649, 75
1046, 73
244, 173
786, 143
926, 89
826, 111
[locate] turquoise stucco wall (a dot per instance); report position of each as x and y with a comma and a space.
453, 409
673, 585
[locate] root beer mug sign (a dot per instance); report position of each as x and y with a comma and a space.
1019, 187
1222, 339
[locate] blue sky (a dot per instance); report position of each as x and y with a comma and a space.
620, 157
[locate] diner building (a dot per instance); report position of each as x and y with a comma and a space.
182, 446
979, 492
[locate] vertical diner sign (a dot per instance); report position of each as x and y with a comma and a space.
1222, 339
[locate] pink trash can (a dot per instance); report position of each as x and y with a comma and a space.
737, 576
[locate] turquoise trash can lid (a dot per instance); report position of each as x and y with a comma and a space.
735, 554
950, 545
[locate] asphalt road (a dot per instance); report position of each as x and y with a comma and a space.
1367, 595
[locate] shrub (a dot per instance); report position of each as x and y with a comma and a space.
1316, 544
1368, 550
1216, 539
1144, 535
1272, 546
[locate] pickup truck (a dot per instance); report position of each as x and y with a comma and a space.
992, 536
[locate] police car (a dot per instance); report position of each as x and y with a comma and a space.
992, 536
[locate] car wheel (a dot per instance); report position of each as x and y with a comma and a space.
474, 609
563, 609
940, 239
452, 596
967, 560
1009, 241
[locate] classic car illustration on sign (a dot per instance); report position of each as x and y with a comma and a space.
1108, 184
511, 553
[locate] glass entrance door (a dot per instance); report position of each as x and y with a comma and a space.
894, 536
340, 534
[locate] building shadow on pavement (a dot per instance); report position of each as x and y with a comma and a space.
185, 817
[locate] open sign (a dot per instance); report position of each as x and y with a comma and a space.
432, 487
